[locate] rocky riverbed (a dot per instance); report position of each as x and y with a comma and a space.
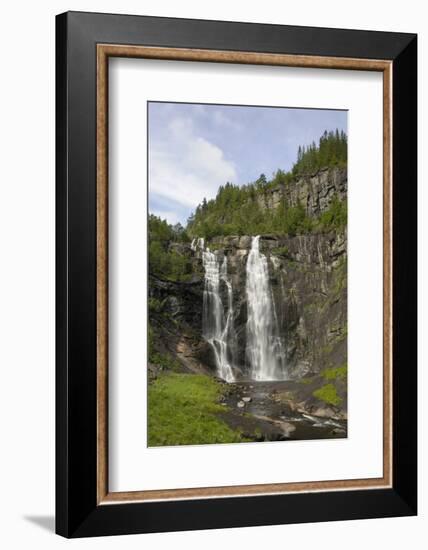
265, 411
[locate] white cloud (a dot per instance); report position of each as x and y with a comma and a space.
169, 215
185, 167
220, 119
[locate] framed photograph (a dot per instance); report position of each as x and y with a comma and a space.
236, 274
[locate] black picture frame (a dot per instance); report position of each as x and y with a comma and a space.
77, 511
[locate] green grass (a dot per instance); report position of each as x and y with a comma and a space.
182, 410
338, 373
328, 394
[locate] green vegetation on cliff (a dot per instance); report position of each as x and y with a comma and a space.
332, 150
245, 216
183, 410
165, 360
165, 261
332, 381
336, 373
239, 210
335, 217
236, 211
328, 394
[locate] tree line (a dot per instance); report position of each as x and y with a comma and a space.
332, 150
238, 210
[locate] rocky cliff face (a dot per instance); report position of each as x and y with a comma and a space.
315, 191
308, 275
308, 278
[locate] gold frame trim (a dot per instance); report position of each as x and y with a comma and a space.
104, 51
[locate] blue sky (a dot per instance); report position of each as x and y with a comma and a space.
193, 149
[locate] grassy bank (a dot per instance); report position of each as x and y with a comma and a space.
183, 411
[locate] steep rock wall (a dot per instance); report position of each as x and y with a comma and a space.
308, 278
315, 192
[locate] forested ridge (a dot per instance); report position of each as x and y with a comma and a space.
237, 210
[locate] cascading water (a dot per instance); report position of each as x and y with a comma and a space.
197, 243
264, 346
264, 350
218, 330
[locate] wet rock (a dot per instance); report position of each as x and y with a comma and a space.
245, 242
325, 412
287, 428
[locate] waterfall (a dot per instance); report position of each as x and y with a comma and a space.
217, 328
197, 243
264, 350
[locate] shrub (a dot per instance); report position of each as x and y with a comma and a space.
338, 373
328, 394
164, 360
280, 251
335, 217
163, 262
155, 305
